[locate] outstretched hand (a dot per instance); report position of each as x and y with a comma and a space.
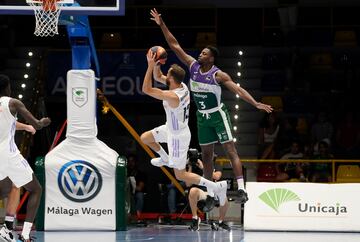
265, 107
45, 122
155, 16
150, 57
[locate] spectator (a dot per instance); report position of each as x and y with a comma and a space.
137, 186
267, 134
291, 170
286, 136
321, 172
348, 137
321, 129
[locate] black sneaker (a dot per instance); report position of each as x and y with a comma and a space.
21, 239
195, 224
224, 226
243, 197
214, 226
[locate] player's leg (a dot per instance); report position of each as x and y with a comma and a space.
5, 187
207, 138
222, 214
35, 191
22, 175
223, 130
11, 206
207, 155
152, 138
194, 194
5, 230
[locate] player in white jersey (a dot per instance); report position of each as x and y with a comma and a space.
14, 169
175, 132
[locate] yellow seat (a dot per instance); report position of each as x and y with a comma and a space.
348, 173
345, 38
275, 101
321, 61
302, 126
205, 38
293, 180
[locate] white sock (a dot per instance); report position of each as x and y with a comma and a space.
26, 230
9, 218
211, 186
164, 156
220, 221
240, 182
195, 217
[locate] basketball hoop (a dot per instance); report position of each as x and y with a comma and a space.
47, 14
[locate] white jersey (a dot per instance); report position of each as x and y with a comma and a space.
177, 118
7, 129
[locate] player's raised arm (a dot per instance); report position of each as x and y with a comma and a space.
158, 75
226, 80
154, 92
170, 39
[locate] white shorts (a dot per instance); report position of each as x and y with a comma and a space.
178, 145
17, 169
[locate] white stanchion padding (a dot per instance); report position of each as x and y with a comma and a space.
302, 207
80, 186
80, 172
81, 104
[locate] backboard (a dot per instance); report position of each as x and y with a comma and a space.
87, 7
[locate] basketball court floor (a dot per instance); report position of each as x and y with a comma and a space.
180, 233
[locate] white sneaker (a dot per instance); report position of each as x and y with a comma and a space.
158, 162
221, 192
6, 235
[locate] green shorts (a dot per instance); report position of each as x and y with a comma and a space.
214, 127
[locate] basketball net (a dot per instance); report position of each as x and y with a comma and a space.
47, 14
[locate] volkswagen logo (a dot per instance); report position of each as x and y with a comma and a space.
79, 181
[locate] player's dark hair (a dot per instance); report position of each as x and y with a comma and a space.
4, 83
177, 72
214, 51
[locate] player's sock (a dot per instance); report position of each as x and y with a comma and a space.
9, 221
164, 156
26, 230
240, 182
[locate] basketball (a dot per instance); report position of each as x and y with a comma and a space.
161, 54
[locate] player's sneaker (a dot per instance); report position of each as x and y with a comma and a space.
243, 197
214, 226
195, 224
221, 192
21, 239
6, 235
224, 226
158, 162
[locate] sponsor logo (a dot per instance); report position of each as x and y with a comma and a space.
79, 181
274, 198
80, 96
75, 211
198, 95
